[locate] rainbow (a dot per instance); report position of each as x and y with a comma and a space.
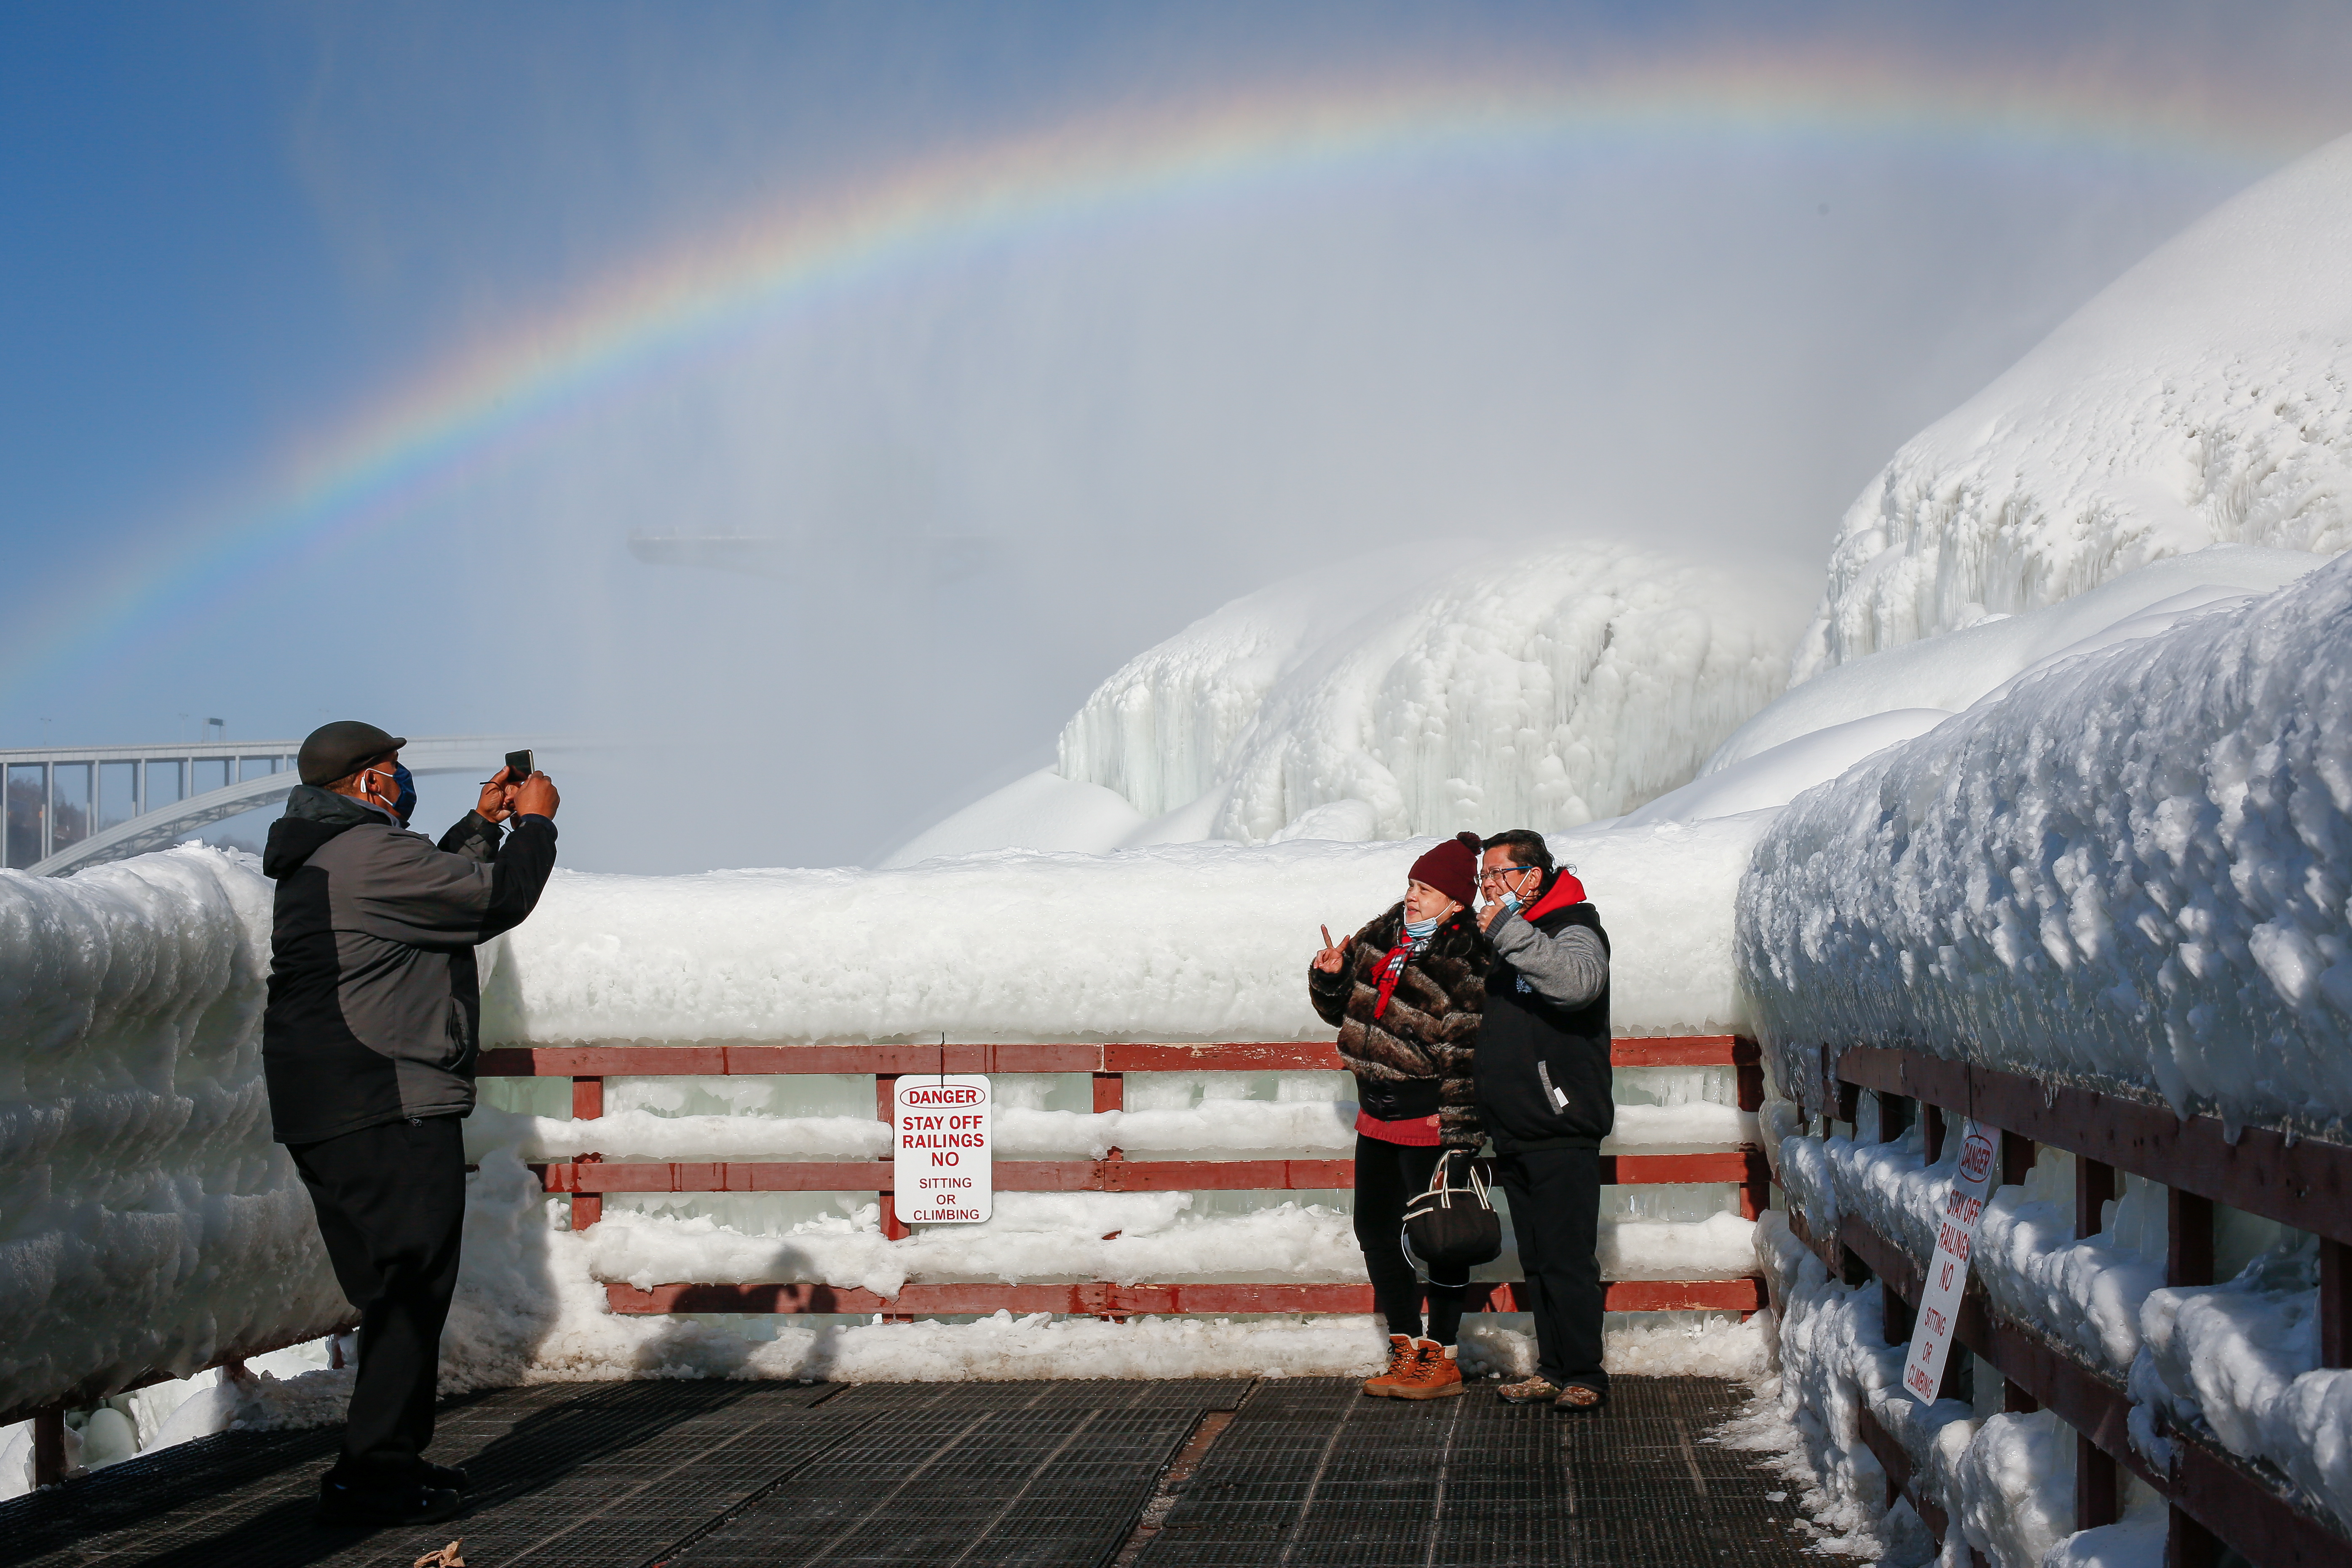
476, 408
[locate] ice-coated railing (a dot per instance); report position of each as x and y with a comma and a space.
2215, 1499
587, 1178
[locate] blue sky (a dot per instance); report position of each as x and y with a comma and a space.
230, 229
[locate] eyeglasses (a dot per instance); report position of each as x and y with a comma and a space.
1499, 872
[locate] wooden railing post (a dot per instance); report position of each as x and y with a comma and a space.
2189, 1544
2095, 1189
49, 1445
1900, 1317
1110, 1094
2097, 1489
587, 1105
2188, 1260
2097, 1481
886, 1107
1897, 1112
2188, 1238
1756, 1192
2335, 1303
2017, 1153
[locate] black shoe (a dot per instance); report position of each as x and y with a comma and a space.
415, 1503
452, 1477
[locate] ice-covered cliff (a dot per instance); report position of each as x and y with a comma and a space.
2202, 398
1408, 693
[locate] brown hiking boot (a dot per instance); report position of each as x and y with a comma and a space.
1400, 1367
1535, 1389
1435, 1374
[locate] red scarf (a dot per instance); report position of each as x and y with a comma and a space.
1392, 967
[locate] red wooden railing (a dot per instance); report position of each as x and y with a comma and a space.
2216, 1498
587, 1178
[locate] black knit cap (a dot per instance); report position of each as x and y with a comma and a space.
335, 750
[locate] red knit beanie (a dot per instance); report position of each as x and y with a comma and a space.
1452, 867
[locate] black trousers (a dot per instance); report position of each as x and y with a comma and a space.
391, 1205
1388, 1176
1555, 1197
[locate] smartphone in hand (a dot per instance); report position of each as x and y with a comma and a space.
518, 766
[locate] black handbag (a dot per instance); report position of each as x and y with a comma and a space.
1448, 1229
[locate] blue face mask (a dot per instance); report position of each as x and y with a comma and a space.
1510, 902
1420, 930
404, 806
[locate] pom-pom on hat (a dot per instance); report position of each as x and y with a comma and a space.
1452, 867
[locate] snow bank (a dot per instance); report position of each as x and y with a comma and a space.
2004, 1481
1126, 1239
1539, 688
2199, 399
1829, 1355
2131, 870
1203, 942
150, 1223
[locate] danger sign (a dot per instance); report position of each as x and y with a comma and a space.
943, 1166
1947, 1269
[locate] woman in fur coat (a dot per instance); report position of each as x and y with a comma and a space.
1405, 994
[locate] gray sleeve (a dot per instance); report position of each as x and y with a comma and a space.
405, 891
1567, 970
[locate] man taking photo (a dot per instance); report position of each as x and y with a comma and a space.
1545, 1097
368, 1047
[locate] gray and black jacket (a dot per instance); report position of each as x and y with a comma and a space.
373, 1012
1542, 1061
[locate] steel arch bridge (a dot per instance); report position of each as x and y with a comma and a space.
73, 806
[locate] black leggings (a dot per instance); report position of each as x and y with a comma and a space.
1387, 1175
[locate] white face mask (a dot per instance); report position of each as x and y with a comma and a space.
1420, 929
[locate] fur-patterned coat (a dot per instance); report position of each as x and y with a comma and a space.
1414, 1060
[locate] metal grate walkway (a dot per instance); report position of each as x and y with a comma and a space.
1143, 1475
1315, 1473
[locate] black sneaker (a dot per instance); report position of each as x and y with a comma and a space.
452, 1477
415, 1503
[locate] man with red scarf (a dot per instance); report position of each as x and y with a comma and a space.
1544, 1096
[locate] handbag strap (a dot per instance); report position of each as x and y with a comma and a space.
1477, 1185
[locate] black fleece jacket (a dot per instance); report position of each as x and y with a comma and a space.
1543, 1072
